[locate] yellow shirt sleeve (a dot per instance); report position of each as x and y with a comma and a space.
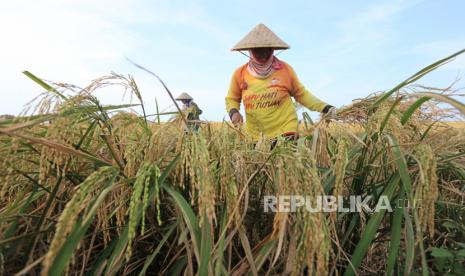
302, 95
234, 97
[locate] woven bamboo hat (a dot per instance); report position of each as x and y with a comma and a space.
184, 96
260, 37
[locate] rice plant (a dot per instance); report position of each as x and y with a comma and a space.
92, 189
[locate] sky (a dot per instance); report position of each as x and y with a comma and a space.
340, 50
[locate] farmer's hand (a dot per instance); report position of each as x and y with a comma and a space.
332, 112
329, 112
236, 117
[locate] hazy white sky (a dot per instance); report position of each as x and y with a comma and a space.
341, 50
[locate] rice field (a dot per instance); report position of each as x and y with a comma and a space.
90, 189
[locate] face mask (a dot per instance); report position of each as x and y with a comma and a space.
261, 55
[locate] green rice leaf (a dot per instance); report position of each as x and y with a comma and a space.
370, 230
43, 84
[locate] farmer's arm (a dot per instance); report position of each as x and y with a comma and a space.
305, 97
233, 99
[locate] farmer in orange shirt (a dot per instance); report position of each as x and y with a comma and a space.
265, 86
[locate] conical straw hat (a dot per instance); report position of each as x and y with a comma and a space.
259, 37
184, 96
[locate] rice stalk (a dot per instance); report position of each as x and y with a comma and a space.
426, 190
72, 210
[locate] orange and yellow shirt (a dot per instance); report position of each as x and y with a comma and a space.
268, 106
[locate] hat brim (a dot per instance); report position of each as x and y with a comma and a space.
255, 47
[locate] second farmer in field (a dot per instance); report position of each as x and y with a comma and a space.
191, 111
265, 86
